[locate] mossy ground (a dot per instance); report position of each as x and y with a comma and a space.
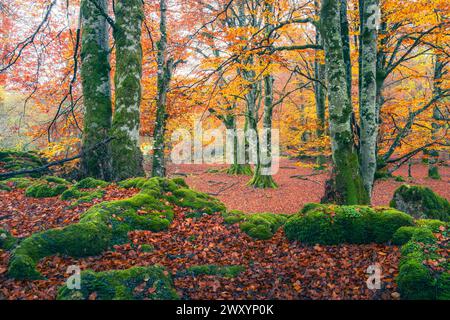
214, 270
137, 283
108, 223
7, 241
14, 160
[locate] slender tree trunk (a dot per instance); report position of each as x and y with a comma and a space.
433, 155
126, 153
368, 106
345, 186
262, 177
319, 90
164, 76
96, 83
236, 168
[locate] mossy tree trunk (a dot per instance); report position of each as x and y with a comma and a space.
96, 84
346, 185
126, 153
262, 177
319, 90
368, 106
438, 115
163, 79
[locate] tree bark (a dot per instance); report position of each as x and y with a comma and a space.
163, 80
368, 103
319, 90
126, 153
346, 186
96, 84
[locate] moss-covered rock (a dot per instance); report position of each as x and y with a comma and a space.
90, 183
332, 224
137, 283
7, 241
424, 267
260, 226
213, 270
421, 234
13, 160
19, 183
421, 202
45, 190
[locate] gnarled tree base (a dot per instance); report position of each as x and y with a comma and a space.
262, 182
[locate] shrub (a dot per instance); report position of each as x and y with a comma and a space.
137, 283
421, 202
331, 224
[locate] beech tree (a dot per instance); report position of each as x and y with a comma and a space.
346, 185
96, 84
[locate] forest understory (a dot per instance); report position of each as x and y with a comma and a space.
270, 269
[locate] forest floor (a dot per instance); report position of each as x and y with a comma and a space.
274, 269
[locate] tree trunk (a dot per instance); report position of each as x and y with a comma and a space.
368, 106
126, 153
345, 186
262, 177
164, 76
319, 90
433, 155
96, 83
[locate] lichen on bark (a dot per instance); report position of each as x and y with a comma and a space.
96, 84
346, 186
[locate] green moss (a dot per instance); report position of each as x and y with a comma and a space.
88, 197
213, 270
56, 180
72, 193
424, 267
262, 226
332, 224
108, 223
443, 287
4, 187
7, 241
420, 234
421, 202
433, 172
240, 169
147, 248
432, 224
137, 283
415, 281
90, 183
19, 183
45, 190
20, 160
233, 216
199, 203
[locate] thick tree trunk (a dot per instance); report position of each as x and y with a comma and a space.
236, 168
164, 76
126, 153
262, 177
346, 186
368, 105
96, 83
